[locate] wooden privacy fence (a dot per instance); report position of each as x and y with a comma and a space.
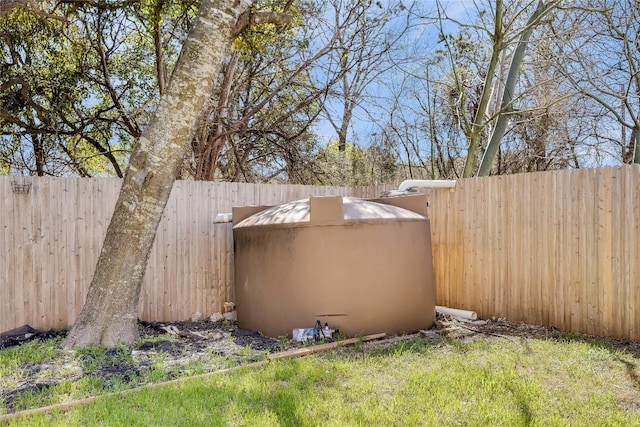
50, 240
553, 248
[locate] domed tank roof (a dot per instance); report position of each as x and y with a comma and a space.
332, 210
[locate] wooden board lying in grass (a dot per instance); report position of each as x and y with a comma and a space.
299, 352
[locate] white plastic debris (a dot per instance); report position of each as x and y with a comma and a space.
304, 334
312, 334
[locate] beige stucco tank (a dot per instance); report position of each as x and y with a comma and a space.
361, 266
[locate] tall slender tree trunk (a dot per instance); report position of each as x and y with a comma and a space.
509, 87
161, 66
344, 126
215, 138
636, 146
38, 153
109, 315
631, 153
479, 118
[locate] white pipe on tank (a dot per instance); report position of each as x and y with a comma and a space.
464, 314
426, 183
223, 217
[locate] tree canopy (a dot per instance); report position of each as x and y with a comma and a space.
424, 83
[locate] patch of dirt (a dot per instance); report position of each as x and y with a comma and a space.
26, 333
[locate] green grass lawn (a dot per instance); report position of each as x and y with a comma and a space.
419, 382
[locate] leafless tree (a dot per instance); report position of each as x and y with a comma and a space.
603, 64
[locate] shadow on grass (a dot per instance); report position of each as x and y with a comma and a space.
249, 399
522, 401
618, 349
611, 344
632, 370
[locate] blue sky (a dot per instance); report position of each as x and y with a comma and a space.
422, 38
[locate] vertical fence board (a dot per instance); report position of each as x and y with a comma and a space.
633, 229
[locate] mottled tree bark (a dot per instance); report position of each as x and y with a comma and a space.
109, 315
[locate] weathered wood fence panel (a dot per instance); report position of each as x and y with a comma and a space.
554, 248
50, 240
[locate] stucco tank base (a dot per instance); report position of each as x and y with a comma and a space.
360, 274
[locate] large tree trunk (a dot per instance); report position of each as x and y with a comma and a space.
109, 315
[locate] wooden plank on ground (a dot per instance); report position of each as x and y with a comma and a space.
299, 352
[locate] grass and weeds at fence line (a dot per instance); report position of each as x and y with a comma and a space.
441, 381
